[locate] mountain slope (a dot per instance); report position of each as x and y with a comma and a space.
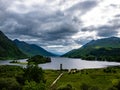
8, 50
102, 49
32, 49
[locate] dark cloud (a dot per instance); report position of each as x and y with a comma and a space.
107, 31
64, 31
117, 15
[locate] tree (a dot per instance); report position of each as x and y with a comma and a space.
67, 87
32, 85
34, 73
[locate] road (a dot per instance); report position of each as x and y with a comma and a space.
56, 79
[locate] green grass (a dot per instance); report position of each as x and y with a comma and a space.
50, 76
100, 78
97, 79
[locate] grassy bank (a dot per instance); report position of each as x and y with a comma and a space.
18, 62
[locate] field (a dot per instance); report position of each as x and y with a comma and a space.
89, 79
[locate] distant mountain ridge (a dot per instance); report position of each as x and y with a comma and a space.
8, 50
32, 49
113, 42
102, 49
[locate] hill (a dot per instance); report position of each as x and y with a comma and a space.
8, 50
32, 49
101, 49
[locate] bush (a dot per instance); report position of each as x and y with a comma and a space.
113, 88
32, 85
84, 86
94, 88
67, 87
116, 86
9, 84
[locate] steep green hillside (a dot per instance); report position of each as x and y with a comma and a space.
101, 49
8, 50
32, 49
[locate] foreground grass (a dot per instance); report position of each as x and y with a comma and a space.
87, 79
50, 76
91, 79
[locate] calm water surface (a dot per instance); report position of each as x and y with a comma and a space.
68, 63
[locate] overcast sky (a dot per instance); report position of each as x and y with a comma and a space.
60, 25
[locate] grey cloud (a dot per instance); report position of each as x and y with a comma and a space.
110, 29
113, 5
4, 4
84, 40
89, 28
63, 31
83, 6
107, 31
117, 15
51, 27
